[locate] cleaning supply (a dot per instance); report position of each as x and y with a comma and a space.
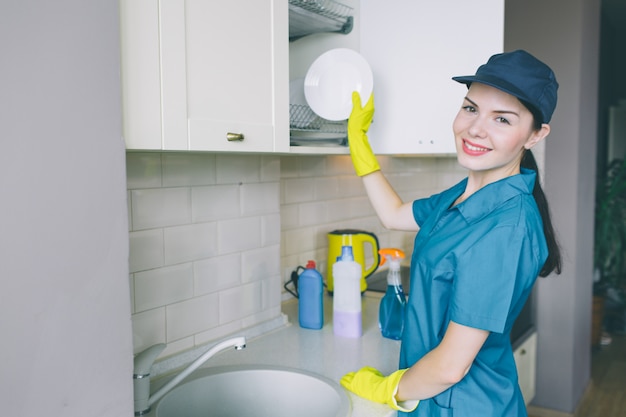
393, 303
310, 298
364, 248
347, 295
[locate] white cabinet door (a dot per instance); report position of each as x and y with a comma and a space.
414, 48
141, 77
217, 71
526, 362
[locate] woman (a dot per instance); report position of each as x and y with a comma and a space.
479, 248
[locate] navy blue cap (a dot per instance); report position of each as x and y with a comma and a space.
521, 75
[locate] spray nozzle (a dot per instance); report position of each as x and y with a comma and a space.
393, 255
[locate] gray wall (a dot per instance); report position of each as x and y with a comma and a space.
565, 34
64, 294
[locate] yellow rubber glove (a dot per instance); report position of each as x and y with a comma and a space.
370, 384
358, 124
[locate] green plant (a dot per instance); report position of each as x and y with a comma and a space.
610, 226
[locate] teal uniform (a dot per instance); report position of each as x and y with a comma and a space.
474, 264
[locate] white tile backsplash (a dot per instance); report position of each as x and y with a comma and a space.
260, 198
148, 328
289, 216
192, 316
239, 169
217, 273
143, 170
182, 169
240, 302
204, 238
190, 242
236, 235
260, 264
270, 230
327, 188
298, 190
312, 213
270, 168
146, 250
214, 236
162, 286
160, 207
341, 165
215, 203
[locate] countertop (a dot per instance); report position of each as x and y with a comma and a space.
321, 352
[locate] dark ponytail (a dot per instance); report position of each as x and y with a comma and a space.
553, 263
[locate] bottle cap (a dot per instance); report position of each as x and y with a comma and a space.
310, 264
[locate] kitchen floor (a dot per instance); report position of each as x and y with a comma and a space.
606, 396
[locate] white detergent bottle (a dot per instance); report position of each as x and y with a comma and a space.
347, 295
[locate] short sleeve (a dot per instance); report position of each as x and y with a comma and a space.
424, 207
493, 275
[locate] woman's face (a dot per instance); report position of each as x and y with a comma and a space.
491, 131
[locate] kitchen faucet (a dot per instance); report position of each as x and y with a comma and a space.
144, 360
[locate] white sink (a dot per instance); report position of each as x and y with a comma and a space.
255, 391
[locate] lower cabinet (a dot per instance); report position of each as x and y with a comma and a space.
526, 362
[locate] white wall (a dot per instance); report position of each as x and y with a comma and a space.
64, 298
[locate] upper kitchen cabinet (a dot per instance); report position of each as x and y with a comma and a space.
204, 75
215, 75
414, 48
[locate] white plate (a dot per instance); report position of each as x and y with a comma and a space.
332, 78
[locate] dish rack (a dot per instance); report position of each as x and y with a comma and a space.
314, 16
307, 127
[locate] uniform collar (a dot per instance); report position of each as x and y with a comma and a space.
488, 198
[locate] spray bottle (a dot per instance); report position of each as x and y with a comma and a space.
393, 303
347, 295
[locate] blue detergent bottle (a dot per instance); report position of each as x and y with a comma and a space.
393, 303
310, 298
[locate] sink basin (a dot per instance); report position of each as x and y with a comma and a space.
255, 391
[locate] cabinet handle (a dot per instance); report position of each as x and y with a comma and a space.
234, 137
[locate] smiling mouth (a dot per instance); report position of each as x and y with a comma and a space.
473, 148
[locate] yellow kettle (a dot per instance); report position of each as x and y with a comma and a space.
362, 243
